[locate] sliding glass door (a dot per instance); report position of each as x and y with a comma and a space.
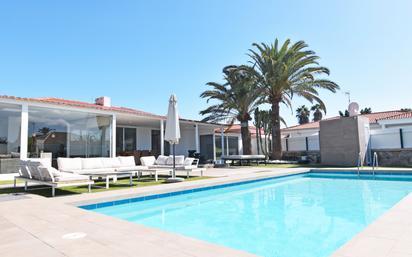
125, 140
67, 133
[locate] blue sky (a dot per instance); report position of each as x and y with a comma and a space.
139, 52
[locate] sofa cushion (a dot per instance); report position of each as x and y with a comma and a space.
92, 163
93, 171
126, 161
179, 160
24, 169
69, 164
161, 160
188, 161
111, 162
47, 173
46, 162
53, 171
130, 168
70, 177
148, 160
33, 167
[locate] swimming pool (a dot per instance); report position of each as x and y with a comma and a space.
308, 215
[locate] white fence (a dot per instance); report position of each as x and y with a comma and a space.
391, 138
294, 144
379, 139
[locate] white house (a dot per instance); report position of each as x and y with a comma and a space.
384, 132
68, 128
389, 131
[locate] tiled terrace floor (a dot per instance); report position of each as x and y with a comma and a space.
35, 226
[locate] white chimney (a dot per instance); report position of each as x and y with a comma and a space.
104, 101
353, 109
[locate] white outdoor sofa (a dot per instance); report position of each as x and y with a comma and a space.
40, 171
166, 162
97, 165
245, 158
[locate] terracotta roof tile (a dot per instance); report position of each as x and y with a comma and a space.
80, 104
376, 116
403, 115
235, 128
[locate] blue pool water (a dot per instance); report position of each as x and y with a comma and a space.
308, 215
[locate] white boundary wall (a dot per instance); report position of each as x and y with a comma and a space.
297, 144
388, 138
391, 138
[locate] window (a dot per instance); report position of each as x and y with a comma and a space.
129, 139
10, 125
67, 133
125, 140
156, 144
119, 140
232, 144
206, 147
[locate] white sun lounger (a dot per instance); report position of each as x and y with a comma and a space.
38, 171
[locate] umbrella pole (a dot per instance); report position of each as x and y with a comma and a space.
174, 164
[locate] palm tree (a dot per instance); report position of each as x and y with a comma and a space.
283, 72
237, 98
344, 114
317, 112
366, 110
302, 113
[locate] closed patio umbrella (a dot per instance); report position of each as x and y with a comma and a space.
172, 134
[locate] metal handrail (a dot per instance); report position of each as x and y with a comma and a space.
375, 163
360, 162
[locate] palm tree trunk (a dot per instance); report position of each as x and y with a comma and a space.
261, 142
276, 140
257, 137
246, 138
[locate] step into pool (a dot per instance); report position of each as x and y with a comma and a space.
307, 215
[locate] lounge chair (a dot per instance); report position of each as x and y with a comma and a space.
40, 171
245, 158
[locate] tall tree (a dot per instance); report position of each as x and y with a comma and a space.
284, 71
263, 123
317, 112
303, 114
235, 100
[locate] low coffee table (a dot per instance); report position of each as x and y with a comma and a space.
156, 171
111, 175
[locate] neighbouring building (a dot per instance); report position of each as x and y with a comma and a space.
389, 134
67, 128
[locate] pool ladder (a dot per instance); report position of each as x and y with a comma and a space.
360, 162
375, 163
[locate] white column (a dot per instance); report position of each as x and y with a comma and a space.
113, 151
197, 138
214, 146
162, 141
68, 140
227, 145
24, 131
222, 140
